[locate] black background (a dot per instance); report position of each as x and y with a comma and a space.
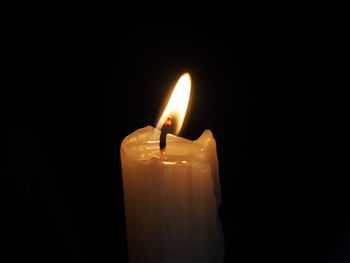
267, 83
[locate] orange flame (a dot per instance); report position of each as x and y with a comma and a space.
177, 104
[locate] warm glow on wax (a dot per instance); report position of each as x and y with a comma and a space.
178, 102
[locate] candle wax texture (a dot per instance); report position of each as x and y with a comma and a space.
171, 198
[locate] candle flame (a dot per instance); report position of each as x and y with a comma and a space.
177, 104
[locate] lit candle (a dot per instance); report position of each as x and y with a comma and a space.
171, 190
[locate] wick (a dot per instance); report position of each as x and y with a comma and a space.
167, 127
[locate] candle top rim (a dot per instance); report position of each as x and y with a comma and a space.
143, 146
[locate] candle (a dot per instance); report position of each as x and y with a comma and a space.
172, 193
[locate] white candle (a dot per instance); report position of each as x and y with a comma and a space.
171, 197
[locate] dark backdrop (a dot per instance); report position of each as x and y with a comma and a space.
267, 83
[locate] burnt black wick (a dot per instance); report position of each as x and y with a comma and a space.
167, 128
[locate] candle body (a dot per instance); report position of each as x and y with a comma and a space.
171, 199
